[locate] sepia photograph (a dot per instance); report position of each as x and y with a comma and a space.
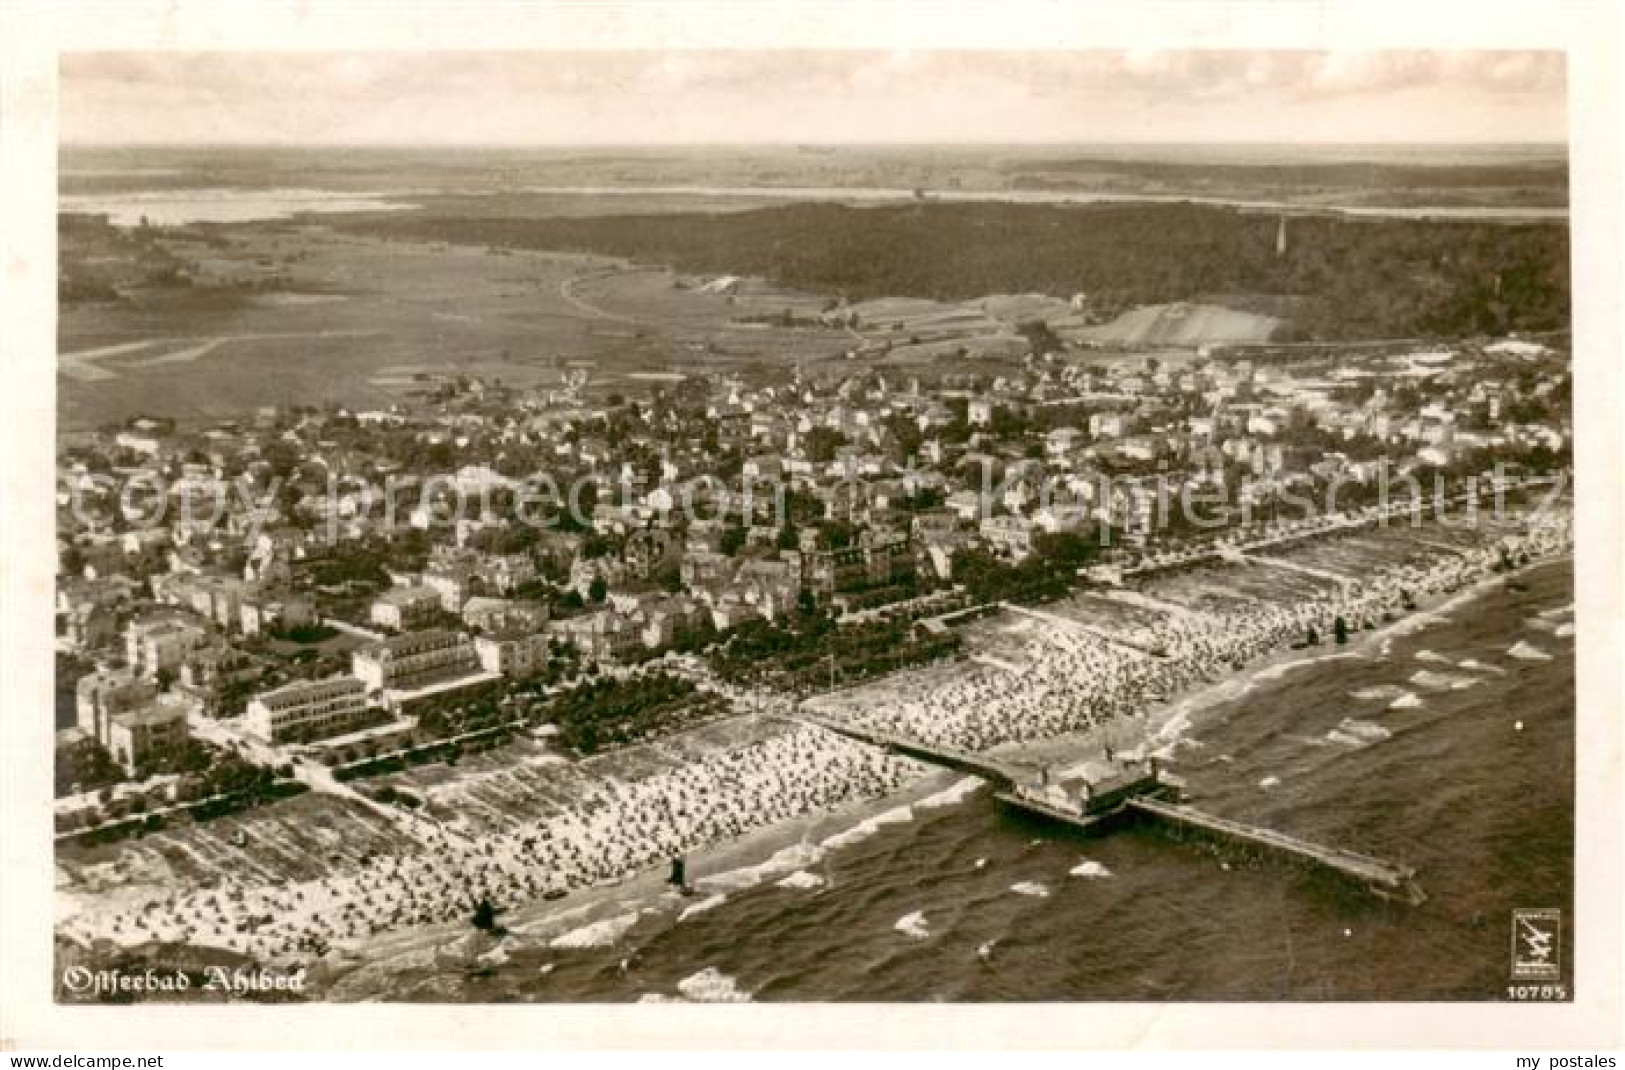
1085, 525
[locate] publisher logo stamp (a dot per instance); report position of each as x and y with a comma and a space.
1537, 945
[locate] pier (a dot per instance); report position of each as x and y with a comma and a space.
1141, 789
1387, 879
1002, 774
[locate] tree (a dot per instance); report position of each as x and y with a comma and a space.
485, 916
1340, 630
823, 443
598, 590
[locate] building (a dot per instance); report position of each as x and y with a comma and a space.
514, 653
106, 692
266, 612
604, 634
506, 573
873, 562
453, 582
155, 730
1009, 535
415, 659
308, 709
160, 644
405, 608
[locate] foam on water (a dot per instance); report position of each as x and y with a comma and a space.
913, 924
864, 829
1030, 888
1269, 782
801, 881
1429, 655
1563, 631
1438, 681
711, 985
1525, 652
1275, 672
787, 859
1352, 733
599, 934
1089, 868
950, 796
1406, 701
1474, 665
1380, 693
710, 903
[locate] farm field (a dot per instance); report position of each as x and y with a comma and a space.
359, 321
1176, 324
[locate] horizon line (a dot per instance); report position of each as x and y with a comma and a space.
788, 144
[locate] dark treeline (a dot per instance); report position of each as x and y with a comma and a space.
1360, 277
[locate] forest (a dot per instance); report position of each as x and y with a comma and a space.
1353, 277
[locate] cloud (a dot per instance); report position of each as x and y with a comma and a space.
786, 95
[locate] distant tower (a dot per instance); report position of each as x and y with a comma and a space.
1280, 237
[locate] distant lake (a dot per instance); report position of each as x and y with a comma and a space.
168, 208
1024, 196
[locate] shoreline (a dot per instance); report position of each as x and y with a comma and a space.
715, 868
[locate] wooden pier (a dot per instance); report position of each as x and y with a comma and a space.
1390, 880
1142, 790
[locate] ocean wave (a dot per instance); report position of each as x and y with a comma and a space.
1030, 888
1379, 693
801, 881
1474, 665
710, 903
1275, 672
1525, 652
1089, 868
958, 792
711, 985
1564, 631
1438, 681
1269, 782
1429, 655
864, 829
1406, 701
913, 924
785, 860
599, 934
1352, 733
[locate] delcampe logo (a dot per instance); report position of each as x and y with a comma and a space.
1537, 937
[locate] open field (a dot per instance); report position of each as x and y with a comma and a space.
1176, 324
350, 313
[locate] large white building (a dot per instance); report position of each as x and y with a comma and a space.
105, 692
154, 730
516, 652
308, 709
414, 660
403, 608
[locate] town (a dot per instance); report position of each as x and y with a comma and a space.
320, 600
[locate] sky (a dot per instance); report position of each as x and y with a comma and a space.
787, 97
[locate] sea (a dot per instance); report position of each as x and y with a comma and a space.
1450, 748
